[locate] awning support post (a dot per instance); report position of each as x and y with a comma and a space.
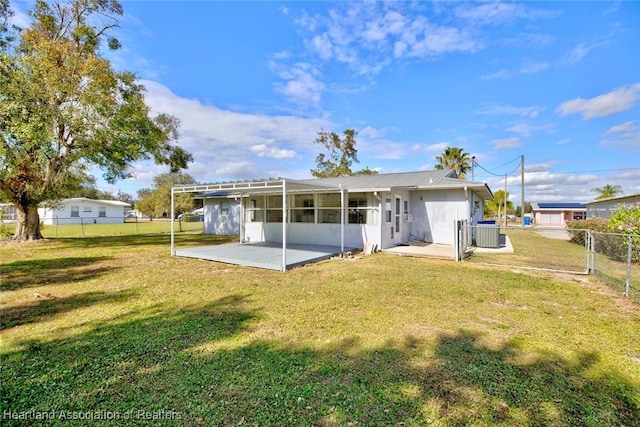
173, 206
342, 214
284, 225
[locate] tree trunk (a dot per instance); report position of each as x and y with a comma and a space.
28, 226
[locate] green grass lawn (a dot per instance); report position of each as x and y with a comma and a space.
130, 227
114, 326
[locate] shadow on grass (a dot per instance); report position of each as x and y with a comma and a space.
196, 362
49, 305
39, 272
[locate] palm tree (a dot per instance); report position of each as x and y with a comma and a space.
456, 159
607, 191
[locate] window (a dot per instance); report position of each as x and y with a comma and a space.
224, 208
387, 210
329, 206
86, 209
75, 211
362, 209
254, 210
102, 212
303, 208
274, 208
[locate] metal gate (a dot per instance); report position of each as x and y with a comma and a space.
539, 248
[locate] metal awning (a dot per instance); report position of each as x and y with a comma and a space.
263, 187
266, 187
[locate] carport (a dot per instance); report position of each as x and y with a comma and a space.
272, 255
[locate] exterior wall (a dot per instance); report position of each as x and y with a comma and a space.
221, 216
61, 214
604, 209
355, 235
434, 214
430, 217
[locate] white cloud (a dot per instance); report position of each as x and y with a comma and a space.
438, 148
624, 128
525, 129
530, 112
423, 39
322, 45
370, 132
501, 74
264, 150
19, 19
496, 12
626, 134
531, 67
231, 145
302, 83
503, 144
576, 54
618, 100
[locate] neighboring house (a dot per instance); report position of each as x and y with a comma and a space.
8, 212
385, 209
555, 214
83, 210
603, 208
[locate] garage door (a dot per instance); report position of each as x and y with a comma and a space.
551, 218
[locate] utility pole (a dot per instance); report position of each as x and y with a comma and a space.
505, 199
473, 163
522, 190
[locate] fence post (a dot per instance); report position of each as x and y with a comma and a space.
456, 241
81, 227
591, 237
627, 283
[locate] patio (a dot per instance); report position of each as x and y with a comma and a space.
267, 255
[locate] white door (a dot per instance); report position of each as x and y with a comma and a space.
397, 221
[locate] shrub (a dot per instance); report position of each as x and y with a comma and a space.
625, 220
594, 224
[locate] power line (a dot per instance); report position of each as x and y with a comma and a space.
605, 170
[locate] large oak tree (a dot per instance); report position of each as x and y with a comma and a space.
64, 109
342, 153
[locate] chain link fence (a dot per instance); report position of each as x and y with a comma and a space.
530, 248
615, 258
59, 227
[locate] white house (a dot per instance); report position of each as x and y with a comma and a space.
83, 210
384, 209
603, 208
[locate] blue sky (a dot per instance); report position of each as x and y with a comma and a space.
253, 82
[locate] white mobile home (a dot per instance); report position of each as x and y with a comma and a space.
384, 210
83, 210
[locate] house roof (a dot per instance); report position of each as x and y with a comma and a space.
617, 199
115, 203
541, 206
423, 180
